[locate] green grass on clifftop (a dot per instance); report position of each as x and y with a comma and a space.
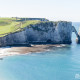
11, 25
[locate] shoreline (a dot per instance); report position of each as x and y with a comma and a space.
11, 51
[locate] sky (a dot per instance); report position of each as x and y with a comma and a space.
67, 10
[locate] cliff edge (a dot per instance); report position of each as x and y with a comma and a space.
44, 32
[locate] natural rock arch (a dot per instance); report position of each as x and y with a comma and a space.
78, 36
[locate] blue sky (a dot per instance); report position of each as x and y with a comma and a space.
68, 10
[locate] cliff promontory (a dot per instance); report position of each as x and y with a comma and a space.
40, 32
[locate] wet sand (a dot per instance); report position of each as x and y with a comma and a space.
25, 50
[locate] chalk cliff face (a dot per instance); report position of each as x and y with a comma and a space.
65, 31
48, 32
17, 38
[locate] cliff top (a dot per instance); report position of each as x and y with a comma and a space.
10, 25
14, 24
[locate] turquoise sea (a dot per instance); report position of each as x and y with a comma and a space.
59, 63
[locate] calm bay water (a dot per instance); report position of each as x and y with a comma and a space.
61, 63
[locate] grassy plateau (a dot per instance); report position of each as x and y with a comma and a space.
11, 25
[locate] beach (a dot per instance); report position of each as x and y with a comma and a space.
9, 51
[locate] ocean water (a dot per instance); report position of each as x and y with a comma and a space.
59, 63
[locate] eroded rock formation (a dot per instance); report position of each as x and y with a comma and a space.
43, 32
78, 37
59, 32
17, 38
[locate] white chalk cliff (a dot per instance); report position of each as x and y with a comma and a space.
48, 32
59, 32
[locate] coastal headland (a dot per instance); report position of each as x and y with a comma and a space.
33, 34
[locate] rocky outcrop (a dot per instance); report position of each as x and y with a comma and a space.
53, 32
43, 32
17, 38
